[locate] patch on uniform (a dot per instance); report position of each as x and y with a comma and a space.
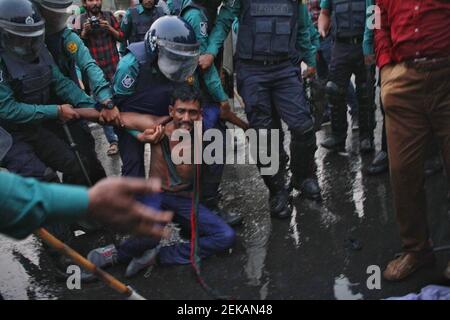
128, 81
125, 19
29, 20
190, 80
204, 28
72, 47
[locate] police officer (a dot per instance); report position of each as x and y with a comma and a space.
28, 75
271, 35
213, 94
145, 78
143, 83
69, 52
348, 24
138, 20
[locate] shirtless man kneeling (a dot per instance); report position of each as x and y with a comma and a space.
177, 185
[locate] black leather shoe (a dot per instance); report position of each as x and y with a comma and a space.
380, 164
310, 189
366, 145
279, 205
334, 143
231, 218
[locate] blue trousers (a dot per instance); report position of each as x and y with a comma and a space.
110, 134
214, 234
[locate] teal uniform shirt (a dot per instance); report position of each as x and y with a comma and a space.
127, 72
127, 25
368, 33
125, 78
26, 204
74, 48
231, 9
313, 34
20, 113
199, 22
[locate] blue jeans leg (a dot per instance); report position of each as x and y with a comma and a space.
110, 134
214, 234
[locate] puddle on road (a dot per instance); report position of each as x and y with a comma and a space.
17, 279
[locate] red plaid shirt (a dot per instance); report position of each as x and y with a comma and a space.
103, 47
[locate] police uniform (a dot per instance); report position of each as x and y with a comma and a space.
138, 87
136, 23
70, 52
271, 37
348, 25
25, 92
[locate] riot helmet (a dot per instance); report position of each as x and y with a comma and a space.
175, 43
22, 29
55, 12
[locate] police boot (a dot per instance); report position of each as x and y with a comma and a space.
366, 120
379, 164
303, 166
278, 195
336, 142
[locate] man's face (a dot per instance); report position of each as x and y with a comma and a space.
185, 113
93, 6
148, 4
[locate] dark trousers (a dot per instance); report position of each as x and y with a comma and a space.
85, 143
214, 235
323, 65
348, 59
264, 88
35, 149
417, 106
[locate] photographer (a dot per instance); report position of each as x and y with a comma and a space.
100, 31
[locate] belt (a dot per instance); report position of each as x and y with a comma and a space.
426, 64
269, 62
350, 40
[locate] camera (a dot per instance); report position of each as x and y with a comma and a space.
95, 23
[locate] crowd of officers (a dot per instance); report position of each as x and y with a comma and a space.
48, 71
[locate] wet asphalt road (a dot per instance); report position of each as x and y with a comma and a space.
307, 257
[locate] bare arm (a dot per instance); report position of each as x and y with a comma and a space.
324, 22
130, 120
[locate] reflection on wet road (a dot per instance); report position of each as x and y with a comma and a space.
322, 252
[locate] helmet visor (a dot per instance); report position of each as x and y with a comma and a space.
177, 61
24, 47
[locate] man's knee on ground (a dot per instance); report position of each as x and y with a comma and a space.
225, 238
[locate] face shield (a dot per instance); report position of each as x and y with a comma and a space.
55, 16
177, 61
23, 41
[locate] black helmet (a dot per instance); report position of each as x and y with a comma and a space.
21, 29
55, 12
174, 40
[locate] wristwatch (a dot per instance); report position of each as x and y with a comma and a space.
109, 105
